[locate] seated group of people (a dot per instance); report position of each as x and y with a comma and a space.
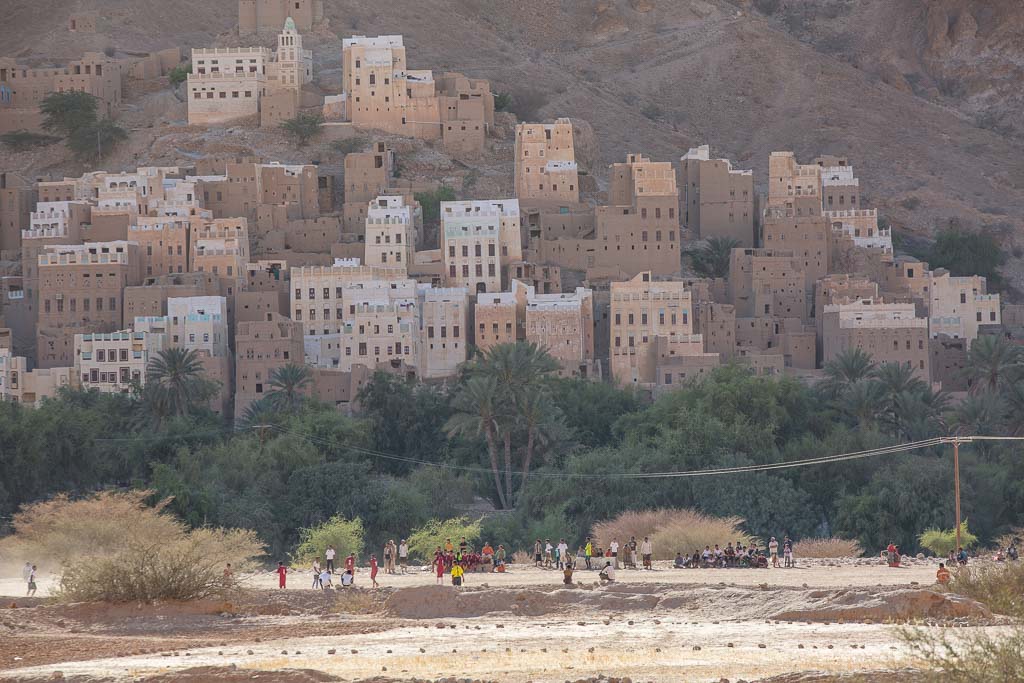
744, 557
1010, 553
467, 559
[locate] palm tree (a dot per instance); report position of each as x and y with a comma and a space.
287, 387
175, 384
860, 402
846, 369
1013, 407
712, 260
979, 414
989, 362
478, 413
543, 422
259, 412
898, 385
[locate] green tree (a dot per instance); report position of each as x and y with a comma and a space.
991, 362
424, 540
964, 252
92, 142
502, 101
846, 369
179, 74
712, 259
430, 201
176, 384
303, 127
67, 112
289, 387
478, 413
346, 535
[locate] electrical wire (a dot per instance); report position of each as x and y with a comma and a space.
740, 469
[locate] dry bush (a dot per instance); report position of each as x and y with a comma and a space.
972, 658
355, 601
827, 548
671, 531
999, 586
1015, 534
115, 548
522, 557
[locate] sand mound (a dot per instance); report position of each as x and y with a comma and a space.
893, 605
781, 604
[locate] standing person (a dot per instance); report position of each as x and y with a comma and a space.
373, 570
773, 551
26, 572
632, 551
499, 559
457, 573
403, 555
388, 569
439, 566
548, 548
448, 547
31, 582
787, 552
537, 560
282, 575
329, 555
588, 552
350, 563
647, 551
316, 574
614, 547
563, 553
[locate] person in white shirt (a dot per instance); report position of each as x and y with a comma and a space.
614, 547
773, 550
608, 573
330, 558
548, 552
347, 578
646, 551
403, 555
325, 579
563, 554
26, 572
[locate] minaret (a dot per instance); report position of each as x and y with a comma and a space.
290, 69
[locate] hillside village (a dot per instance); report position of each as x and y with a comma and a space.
256, 264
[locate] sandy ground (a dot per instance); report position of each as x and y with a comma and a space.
712, 625
814, 573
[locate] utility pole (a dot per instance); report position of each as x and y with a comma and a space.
956, 487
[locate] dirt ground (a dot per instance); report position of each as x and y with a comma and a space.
834, 617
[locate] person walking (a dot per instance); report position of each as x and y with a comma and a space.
329, 556
373, 570
316, 574
26, 572
403, 555
647, 551
282, 575
32, 582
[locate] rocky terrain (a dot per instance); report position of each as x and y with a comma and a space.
923, 96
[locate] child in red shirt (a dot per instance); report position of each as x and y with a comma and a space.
282, 573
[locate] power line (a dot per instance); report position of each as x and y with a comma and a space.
740, 469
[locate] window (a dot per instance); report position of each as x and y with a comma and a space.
123, 354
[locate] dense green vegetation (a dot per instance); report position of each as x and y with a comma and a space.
966, 252
73, 115
416, 453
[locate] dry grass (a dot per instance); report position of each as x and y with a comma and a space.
1000, 586
115, 548
1015, 534
671, 531
827, 548
522, 557
355, 601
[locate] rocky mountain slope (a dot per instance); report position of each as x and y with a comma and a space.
924, 96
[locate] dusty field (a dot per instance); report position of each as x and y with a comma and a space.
664, 625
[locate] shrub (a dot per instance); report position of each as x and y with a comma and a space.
66, 112
304, 127
502, 102
93, 142
1015, 534
671, 531
524, 557
424, 540
971, 658
942, 541
431, 202
349, 145
114, 547
22, 140
999, 586
179, 74
827, 548
345, 535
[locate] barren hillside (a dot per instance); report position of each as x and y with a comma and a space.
930, 117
